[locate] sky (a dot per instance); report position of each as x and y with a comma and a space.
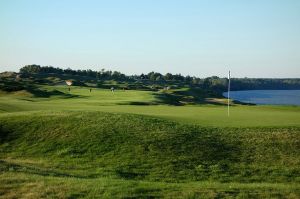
257, 38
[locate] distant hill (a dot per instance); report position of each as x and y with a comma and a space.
214, 82
48, 75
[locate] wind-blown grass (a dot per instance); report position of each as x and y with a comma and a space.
91, 145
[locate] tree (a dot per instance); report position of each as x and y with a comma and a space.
30, 69
168, 76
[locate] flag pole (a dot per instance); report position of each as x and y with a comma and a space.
228, 97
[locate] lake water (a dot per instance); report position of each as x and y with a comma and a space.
263, 97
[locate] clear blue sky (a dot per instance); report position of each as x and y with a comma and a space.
257, 38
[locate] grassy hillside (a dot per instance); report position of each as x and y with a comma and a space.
148, 148
95, 145
144, 144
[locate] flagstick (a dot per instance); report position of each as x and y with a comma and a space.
228, 92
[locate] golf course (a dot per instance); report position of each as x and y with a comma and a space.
155, 99
90, 142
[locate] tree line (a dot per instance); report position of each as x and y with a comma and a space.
212, 83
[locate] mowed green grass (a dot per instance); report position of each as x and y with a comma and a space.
104, 100
97, 145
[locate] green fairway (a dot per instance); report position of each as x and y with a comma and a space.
104, 100
131, 144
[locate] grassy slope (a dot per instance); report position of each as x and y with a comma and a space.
21, 185
55, 152
95, 145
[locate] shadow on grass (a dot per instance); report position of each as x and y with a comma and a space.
36, 92
190, 96
8, 166
4, 135
198, 154
139, 103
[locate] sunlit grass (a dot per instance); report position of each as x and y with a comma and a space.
96, 145
104, 100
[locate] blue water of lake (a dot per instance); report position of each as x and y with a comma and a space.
264, 97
